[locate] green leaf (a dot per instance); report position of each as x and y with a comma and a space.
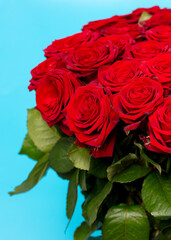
80, 157
144, 16
72, 194
93, 191
149, 160
96, 201
156, 195
131, 174
35, 175
126, 222
120, 165
29, 149
84, 231
58, 157
98, 167
82, 180
41, 134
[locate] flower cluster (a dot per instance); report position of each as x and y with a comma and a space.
114, 70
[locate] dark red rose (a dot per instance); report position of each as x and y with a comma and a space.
123, 27
96, 25
159, 128
162, 17
129, 18
146, 50
135, 15
160, 67
70, 42
121, 41
85, 59
138, 99
117, 75
161, 33
54, 93
39, 71
92, 118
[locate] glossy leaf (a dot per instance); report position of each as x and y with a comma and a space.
120, 165
58, 157
82, 180
96, 201
131, 174
29, 149
149, 160
72, 194
84, 231
126, 222
41, 134
98, 167
35, 175
80, 157
156, 195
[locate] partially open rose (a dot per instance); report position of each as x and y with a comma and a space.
160, 67
92, 118
85, 59
161, 33
64, 44
39, 72
159, 128
117, 75
54, 93
138, 99
146, 50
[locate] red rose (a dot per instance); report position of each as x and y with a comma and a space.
123, 27
138, 99
146, 50
161, 33
39, 71
160, 129
54, 93
162, 17
94, 118
85, 59
121, 41
129, 18
119, 74
135, 15
95, 25
70, 42
160, 67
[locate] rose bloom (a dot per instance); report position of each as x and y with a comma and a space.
123, 28
128, 18
159, 128
160, 67
39, 71
135, 15
121, 41
92, 118
146, 50
85, 59
137, 100
161, 33
64, 44
119, 74
54, 93
162, 17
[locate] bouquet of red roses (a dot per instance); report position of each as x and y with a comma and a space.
103, 122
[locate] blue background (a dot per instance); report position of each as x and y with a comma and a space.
27, 27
